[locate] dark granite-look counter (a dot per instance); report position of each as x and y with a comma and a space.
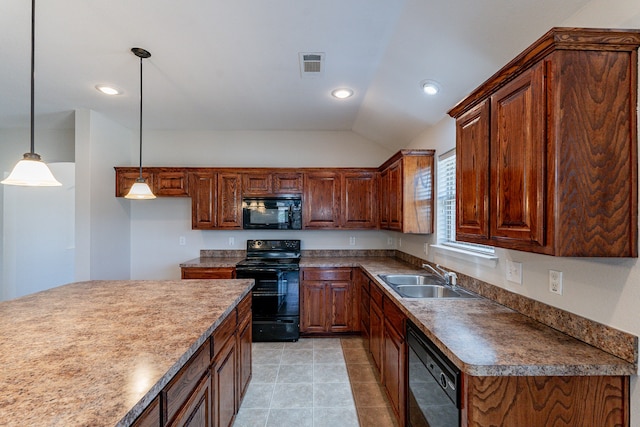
96, 353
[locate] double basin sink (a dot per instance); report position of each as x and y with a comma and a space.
423, 286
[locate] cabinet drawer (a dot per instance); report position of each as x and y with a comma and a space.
339, 274
394, 316
244, 308
208, 272
179, 389
376, 295
223, 332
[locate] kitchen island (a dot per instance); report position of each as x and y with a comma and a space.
100, 352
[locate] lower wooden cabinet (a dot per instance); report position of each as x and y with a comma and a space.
150, 417
208, 272
196, 412
328, 301
545, 401
225, 384
244, 340
387, 345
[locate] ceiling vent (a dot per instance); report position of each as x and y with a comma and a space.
311, 64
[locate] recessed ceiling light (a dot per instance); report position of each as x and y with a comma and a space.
108, 90
342, 93
430, 87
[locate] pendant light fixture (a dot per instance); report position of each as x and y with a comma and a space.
140, 189
31, 170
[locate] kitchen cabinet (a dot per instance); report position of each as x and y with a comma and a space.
197, 410
244, 353
340, 199
362, 280
268, 182
358, 200
406, 192
183, 397
215, 200
321, 207
163, 181
387, 346
547, 149
150, 417
376, 326
208, 272
327, 301
127, 176
225, 384
394, 358
543, 401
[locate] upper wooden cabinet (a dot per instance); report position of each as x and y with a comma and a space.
407, 192
266, 182
547, 149
215, 200
340, 199
126, 177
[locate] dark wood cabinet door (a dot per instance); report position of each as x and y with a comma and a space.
229, 201
376, 322
203, 200
126, 178
313, 318
256, 183
224, 385
244, 356
394, 189
383, 199
358, 200
287, 183
197, 411
339, 296
472, 175
518, 160
172, 183
208, 272
150, 417
393, 369
321, 200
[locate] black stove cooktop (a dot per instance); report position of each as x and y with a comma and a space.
277, 253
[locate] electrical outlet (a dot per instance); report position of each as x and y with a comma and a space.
352, 241
232, 241
389, 241
514, 272
182, 240
555, 282
426, 249
400, 242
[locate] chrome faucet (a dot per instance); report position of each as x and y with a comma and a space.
449, 277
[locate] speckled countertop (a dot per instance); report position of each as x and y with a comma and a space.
97, 353
482, 337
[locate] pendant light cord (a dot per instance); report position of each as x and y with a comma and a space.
33, 44
140, 133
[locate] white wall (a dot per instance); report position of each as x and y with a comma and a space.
102, 220
53, 146
602, 289
156, 225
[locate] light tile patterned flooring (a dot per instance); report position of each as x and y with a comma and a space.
315, 382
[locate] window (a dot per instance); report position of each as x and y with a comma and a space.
447, 206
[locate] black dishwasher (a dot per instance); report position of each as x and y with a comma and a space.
434, 394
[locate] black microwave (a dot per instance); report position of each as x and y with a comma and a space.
272, 213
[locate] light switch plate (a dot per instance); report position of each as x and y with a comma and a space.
514, 272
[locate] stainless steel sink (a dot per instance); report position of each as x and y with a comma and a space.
411, 279
423, 286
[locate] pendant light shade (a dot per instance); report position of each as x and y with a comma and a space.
140, 189
31, 170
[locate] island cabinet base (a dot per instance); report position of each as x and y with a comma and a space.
545, 401
208, 389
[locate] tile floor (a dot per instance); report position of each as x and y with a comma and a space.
314, 382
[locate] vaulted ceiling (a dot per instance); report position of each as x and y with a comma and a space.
235, 65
